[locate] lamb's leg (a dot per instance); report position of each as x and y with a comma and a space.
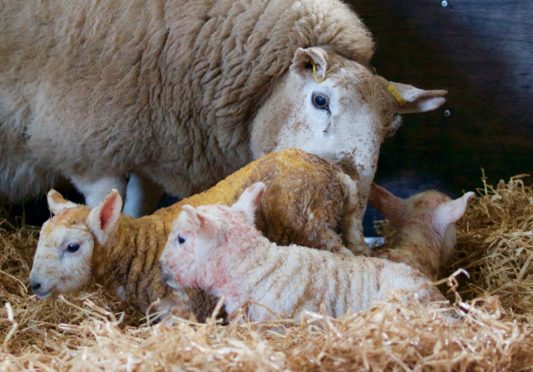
96, 189
142, 196
352, 229
330, 241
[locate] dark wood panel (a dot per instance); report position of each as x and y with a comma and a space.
482, 52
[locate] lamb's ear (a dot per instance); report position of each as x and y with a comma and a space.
392, 207
191, 214
103, 218
310, 62
57, 203
250, 200
451, 211
410, 99
200, 222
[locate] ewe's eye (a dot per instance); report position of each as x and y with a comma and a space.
73, 247
181, 239
320, 101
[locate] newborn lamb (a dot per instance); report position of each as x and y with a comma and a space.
424, 225
218, 249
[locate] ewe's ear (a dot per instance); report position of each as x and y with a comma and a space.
410, 99
250, 200
57, 203
392, 207
451, 211
310, 62
103, 218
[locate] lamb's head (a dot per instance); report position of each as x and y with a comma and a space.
201, 237
67, 242
431, 209
337, 109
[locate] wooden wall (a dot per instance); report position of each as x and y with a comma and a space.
482, 52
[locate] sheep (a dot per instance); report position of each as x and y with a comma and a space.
218, 249
181, 93
309, 202
80, 244
425, 226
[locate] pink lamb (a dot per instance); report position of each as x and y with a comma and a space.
218, 249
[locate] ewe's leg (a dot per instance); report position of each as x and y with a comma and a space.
352, 229
142, 196
95, 190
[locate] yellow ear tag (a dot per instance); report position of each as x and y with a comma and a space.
396, 94
317, 79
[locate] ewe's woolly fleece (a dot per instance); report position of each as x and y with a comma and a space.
166, 88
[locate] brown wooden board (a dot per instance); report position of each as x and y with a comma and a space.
482, 52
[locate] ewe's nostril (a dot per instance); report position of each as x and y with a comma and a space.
35, 286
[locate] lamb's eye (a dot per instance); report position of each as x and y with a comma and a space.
320, 101
73, 247
181, 239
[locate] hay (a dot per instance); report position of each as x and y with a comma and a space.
89, 331
495, 245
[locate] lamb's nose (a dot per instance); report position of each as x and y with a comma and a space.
165, 277
35, 286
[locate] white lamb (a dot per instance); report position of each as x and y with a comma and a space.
218, 249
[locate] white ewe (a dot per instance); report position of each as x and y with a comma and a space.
173, 91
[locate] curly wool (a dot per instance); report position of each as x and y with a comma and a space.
165, 88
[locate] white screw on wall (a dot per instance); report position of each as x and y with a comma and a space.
444, 3
447, 113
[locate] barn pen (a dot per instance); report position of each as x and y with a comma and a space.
482, 53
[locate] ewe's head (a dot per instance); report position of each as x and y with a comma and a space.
63, 260
335, 108
201, 235
430, 209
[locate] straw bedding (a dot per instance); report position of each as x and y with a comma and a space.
495, 245
487, 327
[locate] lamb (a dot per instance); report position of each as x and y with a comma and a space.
425, 226
80, 244
218, 249
309, 202
181, 93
